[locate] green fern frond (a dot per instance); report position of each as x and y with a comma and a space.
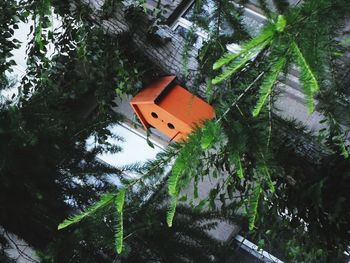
177, 169
233, 67
119, 234
120, 199
267, 84
253, 206
225, 59
309, 98
238, 165
268, 179
266, 35
104, 201
344, 150
171, 211
307, 78
257, 44
239, 63
280, 23
210, 134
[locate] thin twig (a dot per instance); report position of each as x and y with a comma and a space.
20, 251
270, 124
234, 103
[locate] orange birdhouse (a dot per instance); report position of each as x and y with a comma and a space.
170, 108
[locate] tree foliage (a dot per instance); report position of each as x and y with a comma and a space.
280, 176
245, 85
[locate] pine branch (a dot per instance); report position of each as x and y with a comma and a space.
268, 83
256, 42
173, 180
238, 165
119, 204
253, 206
239, 63
249, 50
104, 201
280, 23
210, 133
265, 36
235, 102
307, 77
171, 211
267, 176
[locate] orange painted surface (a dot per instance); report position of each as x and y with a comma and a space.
150, 93
186, 107
160, 120
171, 109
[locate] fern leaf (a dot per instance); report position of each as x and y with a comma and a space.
227, 58
307, 77
104, 201
267, 85
195, 186
260, 41
240, 62
177, 169
238, 165
236, 65
265, 36
171, 211
253, 206
281, 23
211, 133
120, 199
344, 150
268, 179
119, 234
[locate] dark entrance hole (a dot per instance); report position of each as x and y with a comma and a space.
154, 115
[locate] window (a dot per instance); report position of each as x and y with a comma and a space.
252, 20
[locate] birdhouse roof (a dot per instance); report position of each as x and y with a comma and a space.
153, 92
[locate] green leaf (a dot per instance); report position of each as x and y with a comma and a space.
120, 199
248, 52
171, 211
207, 141
268, 179
307, 77
212, 196
239, 62
281, 23
195, 186
38, 36
209, 91
177, 169
104, 201
183, 198
202, 204
344, 150
345, 41
210, 133
238, 165
119, 234
253, 206
267, 84
225, 59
